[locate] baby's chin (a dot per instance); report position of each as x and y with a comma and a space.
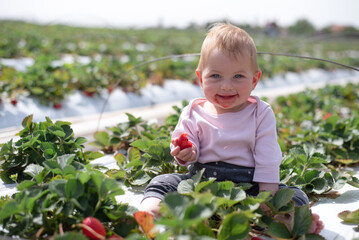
223, 108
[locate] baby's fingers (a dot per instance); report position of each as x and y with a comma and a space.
174, 141
175, 151
186, 155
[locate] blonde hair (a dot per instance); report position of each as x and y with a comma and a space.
231, 40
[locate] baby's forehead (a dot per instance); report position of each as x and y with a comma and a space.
234, 55
243, 60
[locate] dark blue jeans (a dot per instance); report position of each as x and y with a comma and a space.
163, 184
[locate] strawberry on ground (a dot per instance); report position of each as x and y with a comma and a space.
57, 105
91, 223
14, 101
89, 94
110, 88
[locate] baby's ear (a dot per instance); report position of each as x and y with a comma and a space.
256, 76
199, 75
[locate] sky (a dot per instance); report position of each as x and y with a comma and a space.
147, 13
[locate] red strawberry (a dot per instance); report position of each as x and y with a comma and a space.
89, 94
94, 224
57, 105
110, 88
183, 141
14, 101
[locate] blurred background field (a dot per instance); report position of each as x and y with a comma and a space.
50, 62
49, 50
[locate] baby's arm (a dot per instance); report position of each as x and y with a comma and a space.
185, 155
271, 187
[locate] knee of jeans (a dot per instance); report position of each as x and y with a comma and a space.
300, 198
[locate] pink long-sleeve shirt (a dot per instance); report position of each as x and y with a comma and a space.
245, 138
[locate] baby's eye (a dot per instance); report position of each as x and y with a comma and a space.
238, 76
215, 76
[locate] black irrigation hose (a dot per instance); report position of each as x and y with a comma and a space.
197, 54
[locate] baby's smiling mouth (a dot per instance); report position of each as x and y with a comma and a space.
226, 97
225, 100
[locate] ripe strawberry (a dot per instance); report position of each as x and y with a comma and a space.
89, 94
110, 88
183, 141
57, 105
14, 101
96, 226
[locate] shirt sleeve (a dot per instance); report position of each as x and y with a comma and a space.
267, 153
186, 124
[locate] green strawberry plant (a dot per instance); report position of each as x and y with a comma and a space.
43, 210
48, 83
145, 160
314, 105
338, 138
10, 84
330, 124
142, 149
206, 209
350, 217
122, 134
38, 143
310, 170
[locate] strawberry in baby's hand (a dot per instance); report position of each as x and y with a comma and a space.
183, 141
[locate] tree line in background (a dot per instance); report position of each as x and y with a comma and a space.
300, 27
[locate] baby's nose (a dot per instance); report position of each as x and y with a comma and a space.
226, 85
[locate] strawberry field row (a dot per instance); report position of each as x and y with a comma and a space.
59, 188
113, 52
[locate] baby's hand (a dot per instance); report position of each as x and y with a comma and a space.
184, 150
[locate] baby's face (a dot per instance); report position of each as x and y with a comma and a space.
228, 82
